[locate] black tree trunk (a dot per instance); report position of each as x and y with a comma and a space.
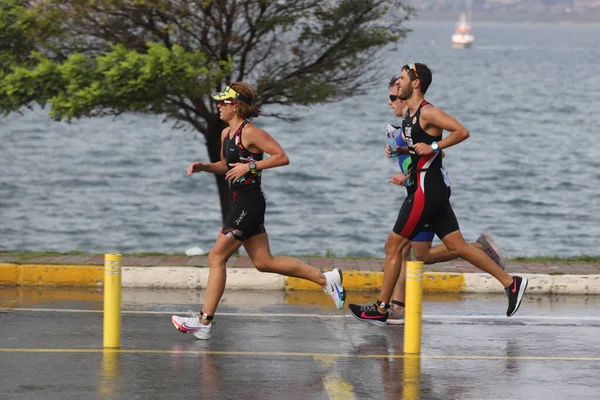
213, 145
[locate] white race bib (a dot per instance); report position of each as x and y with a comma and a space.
446, 177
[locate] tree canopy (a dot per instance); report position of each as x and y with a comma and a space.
89, 58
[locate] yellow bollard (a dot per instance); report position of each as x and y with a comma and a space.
109, 377
411, 388
414, 307
112, 300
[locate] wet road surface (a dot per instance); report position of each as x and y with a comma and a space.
272, 345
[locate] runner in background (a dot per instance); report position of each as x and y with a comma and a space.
429, 204
421, 243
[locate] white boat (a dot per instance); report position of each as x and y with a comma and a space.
463, 37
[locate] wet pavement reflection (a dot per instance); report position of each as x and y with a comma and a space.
272, 345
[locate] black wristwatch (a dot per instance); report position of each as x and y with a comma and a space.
252, 166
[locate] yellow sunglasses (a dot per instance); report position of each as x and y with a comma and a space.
414, 68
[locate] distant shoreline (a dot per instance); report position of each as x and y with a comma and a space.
591, 18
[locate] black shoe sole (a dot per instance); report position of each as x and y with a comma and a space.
522, 289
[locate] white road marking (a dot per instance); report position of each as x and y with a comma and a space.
426, 317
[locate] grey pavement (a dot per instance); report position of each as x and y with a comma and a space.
361, 264
277, 346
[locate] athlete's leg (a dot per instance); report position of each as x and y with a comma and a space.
489, 247
224, 248
446, 227
260, 252
420, 250
421, 245
456, 245
374, 312
394, 246
423, 251
201, 325
396, 314
399, 289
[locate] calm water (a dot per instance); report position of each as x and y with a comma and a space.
529, 174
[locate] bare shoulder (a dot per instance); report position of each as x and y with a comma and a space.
429, 110
254, 131
224, 132
432, 114
436, 117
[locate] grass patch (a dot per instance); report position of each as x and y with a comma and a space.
25, 254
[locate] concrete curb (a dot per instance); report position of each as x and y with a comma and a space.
250, 279
51, 275
538, 284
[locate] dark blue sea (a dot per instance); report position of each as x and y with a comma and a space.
529, 174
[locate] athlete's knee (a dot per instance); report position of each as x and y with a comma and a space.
421, 250
263, 264
216, 260
390, 248
420, 254
406, 253
394, 245
456, 249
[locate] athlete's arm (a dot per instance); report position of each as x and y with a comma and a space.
256, 140
400, 150
403, 149
437, 117
399, 179
217, 168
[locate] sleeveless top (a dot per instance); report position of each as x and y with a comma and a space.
414, 134
235, 152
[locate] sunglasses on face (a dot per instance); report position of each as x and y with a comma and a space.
224, 102
393, 97
413, 67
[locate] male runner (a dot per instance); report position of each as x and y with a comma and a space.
430, 203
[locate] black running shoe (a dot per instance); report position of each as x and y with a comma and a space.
368, 313
515, 293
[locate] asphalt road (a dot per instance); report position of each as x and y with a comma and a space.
269, 345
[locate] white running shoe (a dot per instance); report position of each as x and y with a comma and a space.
491, 249
192, 325
395, 317
334, 287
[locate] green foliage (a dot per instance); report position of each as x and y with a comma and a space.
95, 57
118, 81
14, 44
88, 58
22, 31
